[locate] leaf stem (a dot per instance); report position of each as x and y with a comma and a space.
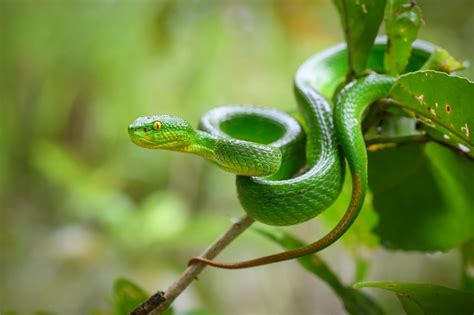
379, 140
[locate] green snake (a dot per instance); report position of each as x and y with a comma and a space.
267, 148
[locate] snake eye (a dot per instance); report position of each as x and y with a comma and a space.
156, 125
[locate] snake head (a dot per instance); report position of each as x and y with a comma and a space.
161, 132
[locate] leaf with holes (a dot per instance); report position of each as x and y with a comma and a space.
427, 299
403, 20
361, 21
443, 103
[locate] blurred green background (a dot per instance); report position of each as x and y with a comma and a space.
81, 205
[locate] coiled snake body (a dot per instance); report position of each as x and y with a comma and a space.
266, 147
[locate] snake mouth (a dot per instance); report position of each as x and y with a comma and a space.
148, 142
137, 137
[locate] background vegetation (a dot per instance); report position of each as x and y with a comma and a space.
81, 205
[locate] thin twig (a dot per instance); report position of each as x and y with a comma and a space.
158, 306
150, 304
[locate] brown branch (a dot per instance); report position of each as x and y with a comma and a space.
158, 306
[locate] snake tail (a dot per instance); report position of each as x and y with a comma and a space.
350, 108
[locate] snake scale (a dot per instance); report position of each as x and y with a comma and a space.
267, 148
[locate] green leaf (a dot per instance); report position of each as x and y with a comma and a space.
443, 102
423, 195
127, 296
361, 21
427, 299
403, 20
424, 199
441, 60
398, 125
355, 302
467, 251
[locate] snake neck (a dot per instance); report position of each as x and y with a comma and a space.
235, 156
203, 144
